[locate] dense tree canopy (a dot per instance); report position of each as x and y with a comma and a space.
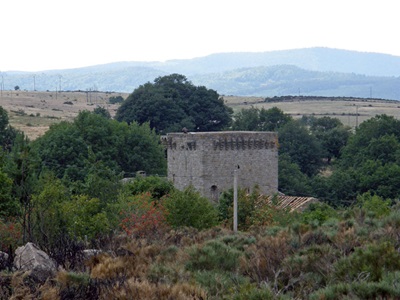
255, 119
71, 149
372, 140
7, 133
301, 146
332, 134
172, 103
369, 163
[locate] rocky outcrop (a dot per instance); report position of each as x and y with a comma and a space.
29, 257
37, 262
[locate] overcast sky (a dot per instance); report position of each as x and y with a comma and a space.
39, 35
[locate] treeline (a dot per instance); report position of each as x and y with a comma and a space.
321, 157
319, 98
64, 192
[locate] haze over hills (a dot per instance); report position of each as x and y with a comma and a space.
311, 71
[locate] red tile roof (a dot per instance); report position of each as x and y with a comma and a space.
293, 203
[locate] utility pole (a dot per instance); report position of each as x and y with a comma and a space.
59, 83
356, 116
235, 199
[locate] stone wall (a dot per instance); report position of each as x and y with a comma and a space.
207, 160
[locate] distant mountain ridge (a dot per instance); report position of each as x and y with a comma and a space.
310, 71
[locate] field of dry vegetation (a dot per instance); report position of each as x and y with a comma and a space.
350, 111
34, 112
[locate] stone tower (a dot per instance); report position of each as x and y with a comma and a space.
207, 160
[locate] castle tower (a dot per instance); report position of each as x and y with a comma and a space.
207, 160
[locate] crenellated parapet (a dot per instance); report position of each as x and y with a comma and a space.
240, 143
206, 160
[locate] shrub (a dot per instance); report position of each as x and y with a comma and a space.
84, 217
252, 292
370, 263
220, 285
156, 186
214, 255
115, 99
239, 242
143, 216
313, 265
245, 207
189, 208
387, 288
374, 204
263, 259
318, 213
10, 234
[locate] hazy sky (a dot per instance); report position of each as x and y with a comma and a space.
57, 34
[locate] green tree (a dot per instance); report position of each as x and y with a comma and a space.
21, 166
247, 120
273, 119
8, 205
368, 163
102, 111
49, 224
70, 150
332, 134
84, 217
115, 99
359, 148
3, 119
171, 103
189, 208
301, 146
379, 178
245, 207
291, 180
101, 182
7, 133
255, 119
158, 187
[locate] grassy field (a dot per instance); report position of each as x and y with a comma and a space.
351, 111
34, 112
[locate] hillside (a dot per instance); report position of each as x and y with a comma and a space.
291, 80
312, 71
34, 112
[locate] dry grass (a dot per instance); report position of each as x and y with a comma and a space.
34, 112
345, 109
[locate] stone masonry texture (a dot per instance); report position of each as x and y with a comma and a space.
207, 161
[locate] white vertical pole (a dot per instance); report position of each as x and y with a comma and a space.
235, 201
